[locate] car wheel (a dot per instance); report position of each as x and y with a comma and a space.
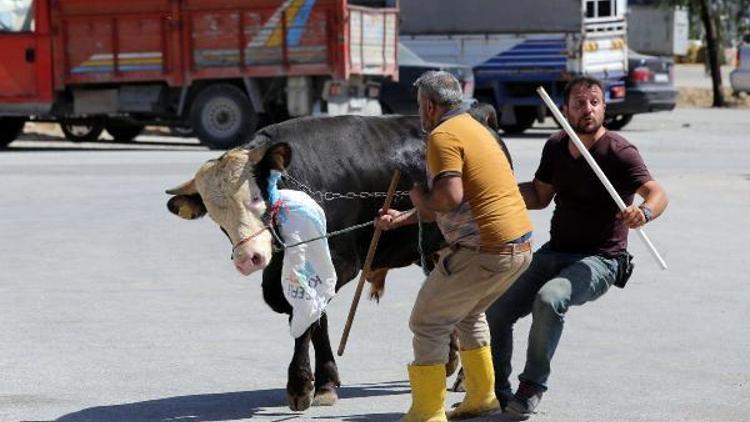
123, 130
10, 129
618, 121
222, 116
524, 120
82, 130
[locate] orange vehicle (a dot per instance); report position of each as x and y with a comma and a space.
221, 67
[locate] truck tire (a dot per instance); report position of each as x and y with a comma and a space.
222, 116
618, 121
10, 128
123, 131
524, 120
77, 130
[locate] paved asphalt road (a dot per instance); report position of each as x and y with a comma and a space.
112, 309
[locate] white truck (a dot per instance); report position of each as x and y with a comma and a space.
660, 31
514, 47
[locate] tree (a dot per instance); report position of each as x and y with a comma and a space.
712, 50
713, 42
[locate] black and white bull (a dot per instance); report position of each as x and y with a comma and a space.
339, 154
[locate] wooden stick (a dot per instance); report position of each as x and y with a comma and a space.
368, 264
597, 170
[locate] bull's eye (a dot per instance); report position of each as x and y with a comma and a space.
255, 202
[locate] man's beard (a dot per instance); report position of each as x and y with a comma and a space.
587, 128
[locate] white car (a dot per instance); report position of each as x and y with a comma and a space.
740, 77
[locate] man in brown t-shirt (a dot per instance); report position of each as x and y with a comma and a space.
588, 235
474, 198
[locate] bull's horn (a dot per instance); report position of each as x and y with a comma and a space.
187, 188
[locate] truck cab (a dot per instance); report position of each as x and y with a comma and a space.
25, 70
515, 47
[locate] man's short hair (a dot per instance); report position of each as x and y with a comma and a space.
440, 87
587, 81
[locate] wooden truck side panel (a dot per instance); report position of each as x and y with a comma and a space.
262, 39
114, 41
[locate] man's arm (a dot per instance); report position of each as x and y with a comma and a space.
446, 195
536, 194
654, 201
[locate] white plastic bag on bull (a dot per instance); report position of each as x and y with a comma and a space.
307, 275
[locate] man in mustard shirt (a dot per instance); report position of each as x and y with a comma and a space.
474, 198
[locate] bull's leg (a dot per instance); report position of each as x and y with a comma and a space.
299, 386
326, 373
453, 357
454, 362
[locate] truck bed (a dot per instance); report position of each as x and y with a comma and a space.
177, 42
444, 17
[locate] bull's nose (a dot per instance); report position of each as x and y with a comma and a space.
248, 264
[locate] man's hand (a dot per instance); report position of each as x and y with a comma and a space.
386, 220
632, 217
654, 202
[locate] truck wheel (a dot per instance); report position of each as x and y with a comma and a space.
122, 130
222, 116
82, 130
524, 119
618, 121
10, 128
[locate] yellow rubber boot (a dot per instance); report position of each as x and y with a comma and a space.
427, 394
480, 385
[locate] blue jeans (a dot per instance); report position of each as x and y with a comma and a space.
554, 282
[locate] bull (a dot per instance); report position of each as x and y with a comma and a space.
335, 154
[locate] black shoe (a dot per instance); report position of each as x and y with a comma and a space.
504, 397
525, 401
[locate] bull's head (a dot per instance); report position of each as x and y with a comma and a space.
232, 189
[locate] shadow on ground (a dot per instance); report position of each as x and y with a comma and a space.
53, 142
231, 406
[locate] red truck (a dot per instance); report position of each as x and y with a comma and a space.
221, 67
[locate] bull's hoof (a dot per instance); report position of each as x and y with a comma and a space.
301, 402
325, 397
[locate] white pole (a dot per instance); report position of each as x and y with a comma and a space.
594, 166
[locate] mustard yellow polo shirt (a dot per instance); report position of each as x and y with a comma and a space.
493, 211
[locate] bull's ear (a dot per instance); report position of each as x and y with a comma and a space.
279, 156
188, 207
256, 154
187, 188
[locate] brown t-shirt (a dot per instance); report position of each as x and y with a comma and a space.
584, 217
